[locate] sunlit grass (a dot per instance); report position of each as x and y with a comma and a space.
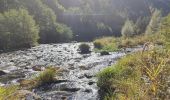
139, 76
114, 44
106, 44
6, 92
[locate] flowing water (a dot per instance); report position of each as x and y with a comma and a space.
78, 81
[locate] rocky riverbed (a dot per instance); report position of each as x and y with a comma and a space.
78, 81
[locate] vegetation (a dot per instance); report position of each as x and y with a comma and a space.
87, 19
106, 44
47, 76
137, 76
154, 24
140, 75
128, 29
18, 29
113, 44
37, 23
6, 92
165, 30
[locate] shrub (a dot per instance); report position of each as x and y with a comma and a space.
84, 48
18, 30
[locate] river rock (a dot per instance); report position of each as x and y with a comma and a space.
26, 95
104, 53
2, 73
38, 68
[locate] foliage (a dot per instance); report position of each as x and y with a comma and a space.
65, 32
106, 44
84, 48
165, 30
137, 76
18, 29
154, 23
128, 30
141, 24
114, 44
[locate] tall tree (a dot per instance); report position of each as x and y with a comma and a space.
154, 23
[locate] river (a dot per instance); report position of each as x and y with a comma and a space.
78, 79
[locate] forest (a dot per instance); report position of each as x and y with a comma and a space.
84, 49
54, 21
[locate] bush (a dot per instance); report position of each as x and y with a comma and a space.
18, 30
84, 48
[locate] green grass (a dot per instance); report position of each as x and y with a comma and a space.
138, 76
111, 44
106, 44
6, 92
47, 76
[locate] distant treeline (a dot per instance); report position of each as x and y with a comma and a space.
24, 23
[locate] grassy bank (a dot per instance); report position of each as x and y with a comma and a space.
113, 44
138, 76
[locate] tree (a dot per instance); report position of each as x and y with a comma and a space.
141, 24
128, 29
18, 29
154, 23
65, 32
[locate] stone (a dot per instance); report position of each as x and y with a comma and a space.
104, 53
37, 68
88, 91
88, 75
2, 73
25, 95
91, 83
